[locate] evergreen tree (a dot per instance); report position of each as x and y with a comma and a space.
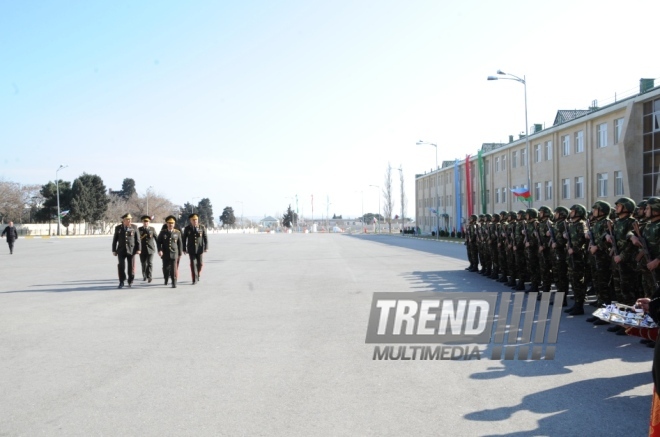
227, 217
89, 199
205, 212
128, 188
290, 218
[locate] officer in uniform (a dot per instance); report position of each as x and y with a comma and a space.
532, 246
125, 245
149, 246
195, 244
170, 249
623, 267
502, 247
576, 242
559, 251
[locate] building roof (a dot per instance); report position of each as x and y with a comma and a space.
564, 115
268, 219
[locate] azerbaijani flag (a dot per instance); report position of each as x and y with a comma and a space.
433, 211
522, 192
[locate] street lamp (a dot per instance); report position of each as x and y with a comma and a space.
522, 80
378, 186
192, 207
57, 184
402, 214
437, 207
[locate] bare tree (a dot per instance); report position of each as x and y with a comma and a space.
403, 199
15, 200
387, 196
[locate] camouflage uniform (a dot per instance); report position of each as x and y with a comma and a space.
602, 274
473, 248
623, 273
492, 244
501, 247
483, 253
520, 250
559, 251
651, 233
545, 254
510, 231
532, 245
577, 261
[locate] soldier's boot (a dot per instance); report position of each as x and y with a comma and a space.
495, 273
521, 285
534, 288
577, 310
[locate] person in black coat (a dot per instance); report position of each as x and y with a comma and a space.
12, 235
125, 245
170, 249
148, 245
195, 243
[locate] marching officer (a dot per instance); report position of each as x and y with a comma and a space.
170, 249
149, 246
195, 244
125, 245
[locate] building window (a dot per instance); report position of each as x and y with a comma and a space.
618, 183
579, 187
497, 195
565, 145
523, 157
503, 195
601, 135
548, 150
537, 191
514, 159
618, 130
579, 141
488, 197
548, 190
497, 164
486, 167
601, 184
503, 162
537, 153
566, 188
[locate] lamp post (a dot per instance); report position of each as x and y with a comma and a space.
437, 207
522, 80
378, 186
57, 184
192, 206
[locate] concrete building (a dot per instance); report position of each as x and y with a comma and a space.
586, 155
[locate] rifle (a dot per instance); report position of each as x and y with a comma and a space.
538, 238
592, 241
570, 245
647, 253
615, 249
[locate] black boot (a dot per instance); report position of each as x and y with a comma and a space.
521, 285
511, 282
532, 289
494, 274
577, 310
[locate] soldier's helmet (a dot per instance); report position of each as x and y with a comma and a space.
603, 206
580, 210
628, 204
482, 217
642, 204
532, 212
522, 212
488, 217
474, 217
653, 203
503, 213
545, 210
496, 217
562, 211
513, 215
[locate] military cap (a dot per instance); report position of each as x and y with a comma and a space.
170, 219
193, 216
127, 216
145, 218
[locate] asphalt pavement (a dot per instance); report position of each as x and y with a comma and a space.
271, 342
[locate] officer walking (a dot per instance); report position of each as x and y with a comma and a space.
195, 244
170, 249
125, 245
12, 235
148, 244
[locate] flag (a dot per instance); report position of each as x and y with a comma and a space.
521, 192
433, 211
64, 213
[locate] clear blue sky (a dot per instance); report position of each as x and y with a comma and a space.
258, 101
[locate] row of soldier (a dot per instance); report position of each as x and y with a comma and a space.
170, 243
615, 250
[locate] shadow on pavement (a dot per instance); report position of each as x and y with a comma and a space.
430, 246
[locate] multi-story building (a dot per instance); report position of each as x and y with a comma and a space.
587, 155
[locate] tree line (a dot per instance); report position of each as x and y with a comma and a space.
87, 200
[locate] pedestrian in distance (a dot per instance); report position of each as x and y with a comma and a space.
11, 234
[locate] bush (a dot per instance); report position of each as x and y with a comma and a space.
432, 233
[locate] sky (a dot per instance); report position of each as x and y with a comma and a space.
257, 104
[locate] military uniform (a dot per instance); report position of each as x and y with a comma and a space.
510, 253
149, 245
125, 245
624, 277
170, 248
473, 244
532, 246
520, 250
602, 274
558, 251
577, 243
545, 252
492, 245
12, 235
502, 247
195, 243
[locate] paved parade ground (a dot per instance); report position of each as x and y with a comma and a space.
272, 342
